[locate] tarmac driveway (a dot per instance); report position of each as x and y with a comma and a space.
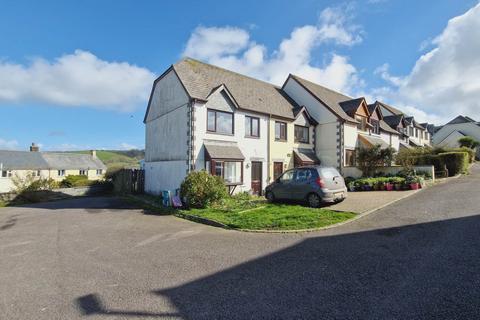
99, 258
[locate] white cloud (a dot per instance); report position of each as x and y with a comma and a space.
445, 81
127, 146
78, 79
232, 48
8, 144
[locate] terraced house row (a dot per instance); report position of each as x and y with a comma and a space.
247, 131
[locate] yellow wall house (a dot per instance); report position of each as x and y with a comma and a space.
47, 165
292, 143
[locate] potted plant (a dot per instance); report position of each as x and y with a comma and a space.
412, 182
367, 185
398, 183
351, 186
389, 185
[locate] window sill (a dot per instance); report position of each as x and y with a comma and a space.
302, 142
252, 137
280, 140
221, 134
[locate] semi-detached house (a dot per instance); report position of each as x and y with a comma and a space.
247, 131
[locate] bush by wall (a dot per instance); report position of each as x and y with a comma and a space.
456, 162
200, 189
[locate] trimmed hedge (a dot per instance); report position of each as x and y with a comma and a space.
456, 162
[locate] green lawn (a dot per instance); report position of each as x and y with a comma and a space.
253, 213
268, 216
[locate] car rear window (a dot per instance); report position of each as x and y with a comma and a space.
329, 173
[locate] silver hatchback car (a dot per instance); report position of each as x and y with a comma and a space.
313, 184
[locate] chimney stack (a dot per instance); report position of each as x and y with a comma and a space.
34, 147
93, 153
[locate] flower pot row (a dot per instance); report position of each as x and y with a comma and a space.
386, 184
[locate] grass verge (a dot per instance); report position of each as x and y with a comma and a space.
252, 213
274, 217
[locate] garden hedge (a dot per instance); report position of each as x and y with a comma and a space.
456, 162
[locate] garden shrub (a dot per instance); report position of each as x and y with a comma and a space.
76, 181
456, 162
468, 142
368, 159
200, 189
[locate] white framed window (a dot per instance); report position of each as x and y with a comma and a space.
99, 172
6, 173
36, 173
61, 172
301, 134
83, 172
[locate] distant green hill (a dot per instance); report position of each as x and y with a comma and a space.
117, 159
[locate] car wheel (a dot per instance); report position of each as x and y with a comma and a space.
314, 200
270, 196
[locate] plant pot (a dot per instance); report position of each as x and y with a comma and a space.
398, 186
389, 187
414, 186
367, 188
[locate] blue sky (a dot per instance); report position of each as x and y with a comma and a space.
76, 75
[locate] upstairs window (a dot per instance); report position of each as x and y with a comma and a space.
376, 126
301, 134
410, 133
416, 133
280, 131
362, 123
252, 127
220, 122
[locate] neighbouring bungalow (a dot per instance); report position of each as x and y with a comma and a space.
47, 165
462, 126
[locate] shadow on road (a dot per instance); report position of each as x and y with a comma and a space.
423, 271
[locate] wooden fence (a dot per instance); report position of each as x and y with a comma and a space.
128, 181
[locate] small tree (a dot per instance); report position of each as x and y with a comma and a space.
468, 142
368, 159
200, 189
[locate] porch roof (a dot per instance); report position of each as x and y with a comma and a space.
371, 141
306, 156
223, 151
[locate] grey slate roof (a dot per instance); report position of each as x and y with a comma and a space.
390, 108
385, 127
22, 160
351, 106
199, 79
25, 160
393, 121
330, 98
70, 161
223, 151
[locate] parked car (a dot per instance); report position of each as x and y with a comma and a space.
313, 184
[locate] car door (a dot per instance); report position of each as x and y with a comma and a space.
300, 185
283, 185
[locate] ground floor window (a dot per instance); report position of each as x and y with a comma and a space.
350, 158
99, 172
61, 173
83, 172
6, 174
230, 171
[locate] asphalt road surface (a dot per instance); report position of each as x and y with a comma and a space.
99, 258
